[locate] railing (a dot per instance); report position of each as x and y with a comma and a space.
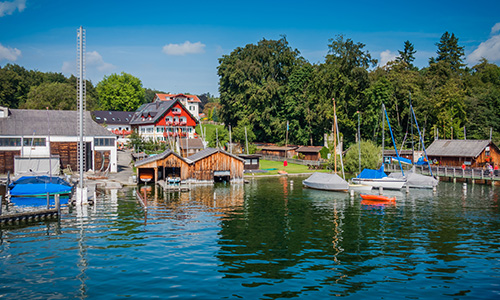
453, 172
292, 160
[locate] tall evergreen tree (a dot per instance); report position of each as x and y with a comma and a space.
407, 55
450, 52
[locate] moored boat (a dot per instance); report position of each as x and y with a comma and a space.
39, 186
326, 181
377, 178
377, 197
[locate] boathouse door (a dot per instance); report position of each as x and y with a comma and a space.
222, 176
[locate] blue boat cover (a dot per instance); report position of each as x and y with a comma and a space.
421, 161
39, 185
372, 174
402, 159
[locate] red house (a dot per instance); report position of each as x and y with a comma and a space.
164, 120
191, 102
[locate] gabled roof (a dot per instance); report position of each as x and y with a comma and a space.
312, 149
276, 148
28, 122
191, 144
167, 97
156, 157
457, 148
154, 110
112, 117
207, 152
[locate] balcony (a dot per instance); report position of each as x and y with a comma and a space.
176, 112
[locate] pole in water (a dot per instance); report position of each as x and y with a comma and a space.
352, 193
58, 205
380, 190
48, 200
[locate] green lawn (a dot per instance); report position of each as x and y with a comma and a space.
290, 168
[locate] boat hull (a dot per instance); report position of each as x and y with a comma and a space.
326, 182
377, 197
386, 182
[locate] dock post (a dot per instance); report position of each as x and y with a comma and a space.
380, 190
464, 188
434, 189
1, 205
48, 200
352, 193
407, 188
472, 176
58, 205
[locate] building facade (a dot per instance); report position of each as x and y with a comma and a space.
54, 133
191, 102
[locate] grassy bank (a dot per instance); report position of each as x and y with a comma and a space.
275, 166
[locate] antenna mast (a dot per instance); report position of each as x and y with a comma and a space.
80, 47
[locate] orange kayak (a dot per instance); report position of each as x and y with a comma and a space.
377, 197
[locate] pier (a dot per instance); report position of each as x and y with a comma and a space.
454, 174
32, 216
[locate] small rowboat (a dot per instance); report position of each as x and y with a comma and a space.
377, 197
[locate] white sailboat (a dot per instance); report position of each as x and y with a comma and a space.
378, 178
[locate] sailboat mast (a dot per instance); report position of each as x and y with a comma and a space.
335, 134
412, 142
383, 137
359, 143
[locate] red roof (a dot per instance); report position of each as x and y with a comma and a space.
166, 97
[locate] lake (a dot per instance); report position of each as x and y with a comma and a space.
268, 239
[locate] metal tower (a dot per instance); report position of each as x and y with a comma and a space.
81, 107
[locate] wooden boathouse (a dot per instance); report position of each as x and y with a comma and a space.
208, 165
162, 166
472, 153
214, 165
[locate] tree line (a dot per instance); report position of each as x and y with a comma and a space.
269, 84
31, 89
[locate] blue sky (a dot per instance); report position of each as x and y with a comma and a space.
174, 46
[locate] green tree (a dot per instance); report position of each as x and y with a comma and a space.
55, 95
407, 56
450, 52
238, 132
218, 138
252, 84
120, 92
371, 157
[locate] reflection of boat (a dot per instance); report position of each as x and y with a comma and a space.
377, 197
37, 201
378, 203
326, 181
39, 186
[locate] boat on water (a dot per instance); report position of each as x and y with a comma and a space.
39, 186
376, 197
415, 180
326, 181
378, 178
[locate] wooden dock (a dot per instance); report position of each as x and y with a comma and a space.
32, 216
454, 174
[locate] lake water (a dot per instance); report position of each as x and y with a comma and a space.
268, 239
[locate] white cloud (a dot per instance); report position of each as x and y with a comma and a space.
385, 57
495, 28
183, 49
93, 60
8, 8
9, 53
489, 49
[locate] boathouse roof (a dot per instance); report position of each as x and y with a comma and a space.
207, 152
156, 157
313, 149
26, 122
457, 148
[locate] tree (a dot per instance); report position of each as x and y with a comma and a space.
149, 95
407, 56
55, 95
450, 52
238, 132
252, 84
371, 157
120, 92
218, 138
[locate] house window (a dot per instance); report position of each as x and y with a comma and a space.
40, 142
104, 142
9, 142
143, 130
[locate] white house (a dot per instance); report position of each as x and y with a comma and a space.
28, 134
